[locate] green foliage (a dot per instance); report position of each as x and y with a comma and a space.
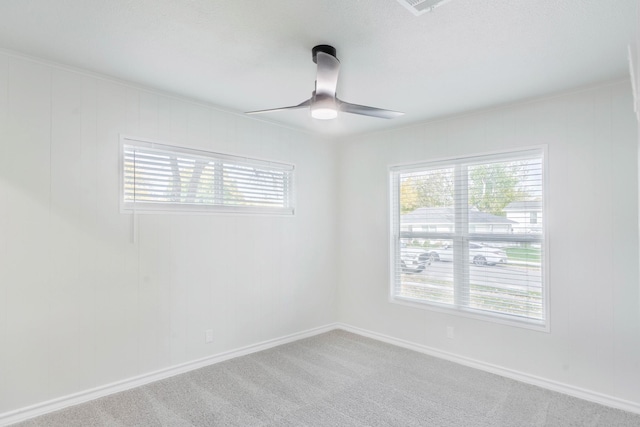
492, 187
432, 189
409, 197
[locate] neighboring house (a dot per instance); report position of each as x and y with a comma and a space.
527, 216
441, 220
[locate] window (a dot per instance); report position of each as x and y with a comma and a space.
462, 238
157, 177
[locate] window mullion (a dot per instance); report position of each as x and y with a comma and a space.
219, 183
461, 238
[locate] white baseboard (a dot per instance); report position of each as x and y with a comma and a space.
570, 390
38, 409
25, 413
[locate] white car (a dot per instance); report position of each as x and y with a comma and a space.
478, 254
414, 260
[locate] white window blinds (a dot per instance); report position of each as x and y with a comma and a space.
159, 177
468, 234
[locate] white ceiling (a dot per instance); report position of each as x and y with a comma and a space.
249, 55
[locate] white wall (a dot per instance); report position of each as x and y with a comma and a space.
83, 306
592, 220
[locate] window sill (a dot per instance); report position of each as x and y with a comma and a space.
536, 325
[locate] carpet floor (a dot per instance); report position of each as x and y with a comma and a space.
337, 379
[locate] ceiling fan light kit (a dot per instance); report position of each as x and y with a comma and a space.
324, 113
324, 104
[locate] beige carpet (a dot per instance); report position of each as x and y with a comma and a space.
338, 379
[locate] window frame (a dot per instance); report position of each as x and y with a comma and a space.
186, 208
454, 309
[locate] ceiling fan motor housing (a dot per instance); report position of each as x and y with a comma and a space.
324, 48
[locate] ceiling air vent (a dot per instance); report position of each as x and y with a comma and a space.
418, 7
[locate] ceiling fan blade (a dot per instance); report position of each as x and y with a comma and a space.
363, 110
293, 107
327, 76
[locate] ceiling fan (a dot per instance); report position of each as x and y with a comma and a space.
324, 104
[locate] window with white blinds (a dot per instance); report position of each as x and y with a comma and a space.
469, 235
158, 177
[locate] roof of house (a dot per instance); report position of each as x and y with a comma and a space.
446, 216
524, 205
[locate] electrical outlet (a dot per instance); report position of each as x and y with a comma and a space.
451, 332
208, 336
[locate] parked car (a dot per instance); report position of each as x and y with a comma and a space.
478, 254
414, 260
